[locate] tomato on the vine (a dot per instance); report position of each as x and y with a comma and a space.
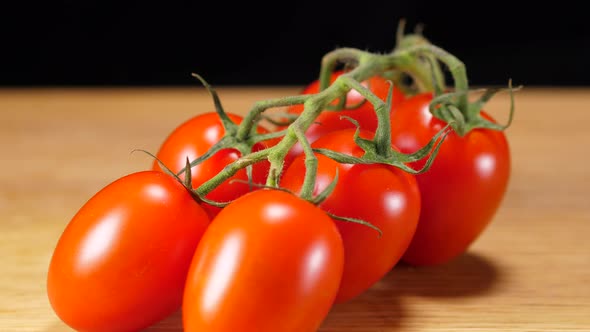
462, 190
329, 121
270, 261
122, 261
193, 139
382, 195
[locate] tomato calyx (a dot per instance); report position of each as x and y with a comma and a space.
233, 139
454, 107
444, 107
379, 149
187, 182
396, 158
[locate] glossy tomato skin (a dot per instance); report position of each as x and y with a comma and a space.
383, 195
269, 262
121, 263
462, 190
329, 121
193, 139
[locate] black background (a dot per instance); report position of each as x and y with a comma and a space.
72, 43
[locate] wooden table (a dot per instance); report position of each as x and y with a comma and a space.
530, 271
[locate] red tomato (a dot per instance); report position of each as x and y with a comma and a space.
462, 190
122, 261
269, 262
329, 121
193, 139
383, 195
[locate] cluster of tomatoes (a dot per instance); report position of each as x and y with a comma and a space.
146, 245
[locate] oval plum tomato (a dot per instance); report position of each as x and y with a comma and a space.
330, 121
382, 195
462, 190
122, 261
193, 139
269, 262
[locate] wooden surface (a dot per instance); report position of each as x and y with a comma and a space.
530, 270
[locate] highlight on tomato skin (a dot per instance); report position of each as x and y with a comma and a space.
382, 195
269, 262
462, 190
121, 262
362, 111
193, 139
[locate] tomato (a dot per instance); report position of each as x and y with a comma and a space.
462, 190
269, 262
193, 139
329, 121
121, 263
382, 195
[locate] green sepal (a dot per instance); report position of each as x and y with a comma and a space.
228, 124
223, 143
188, 178
430, 159
366, 144
342, 157
444, 108
187, 183
475, 108
398, 159
422, 152
163, 166
356, 221
317, 200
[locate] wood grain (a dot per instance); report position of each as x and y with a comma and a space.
530, 270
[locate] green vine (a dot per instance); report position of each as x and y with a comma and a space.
414, 56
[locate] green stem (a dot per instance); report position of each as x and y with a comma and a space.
369, 64
400, 33
230, 170
312, 108
311, 166
436, 71
265, 137
382, 137
409, 63
419, 68
457, 69
247, 124
330, 60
